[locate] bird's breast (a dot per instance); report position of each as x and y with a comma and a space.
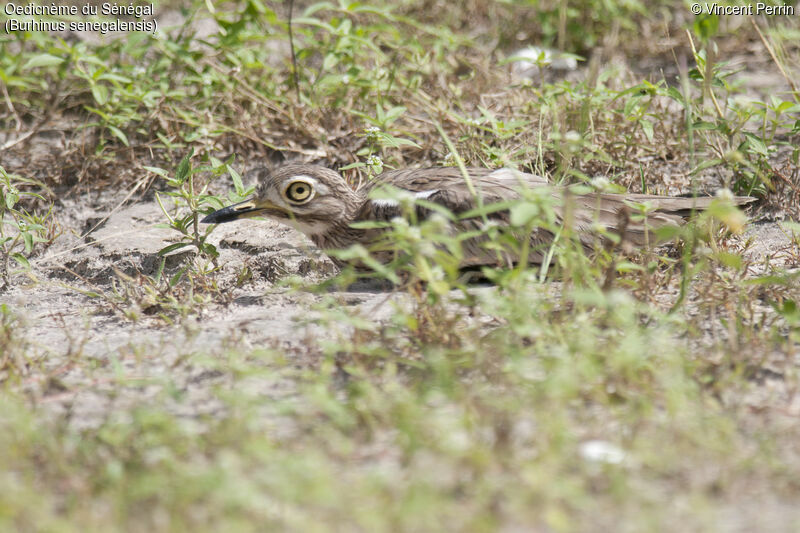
310, 227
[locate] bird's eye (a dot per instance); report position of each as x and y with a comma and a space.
299, 192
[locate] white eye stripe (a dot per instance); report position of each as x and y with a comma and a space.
508, 175
422, 195
386, 202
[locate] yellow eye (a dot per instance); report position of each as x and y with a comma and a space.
299, 192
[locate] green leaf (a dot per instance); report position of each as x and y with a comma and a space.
177, 277
237, 180
630, 104
169, 145
100, 93
406, 142
313, 8
395, 142
11, 199
794, 227
706, 164
728, 214
524, 212
757, 145
119, 135
787, 280
330, 61
173, 247
627, 266
701, 125
42, 60
182, 172
359, 164
647, 127
102, 115
23, 262
114, 77
209, 249
487, 209
370, 224
160, 269
706, 26
667, 233
676, 95
787, 106
155, 170
729, 260
393, 114
789, 311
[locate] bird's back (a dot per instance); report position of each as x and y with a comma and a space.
585, 212
447, 185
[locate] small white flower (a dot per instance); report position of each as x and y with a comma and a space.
600, 183
375, 163
724, 194
372, 133
600, 451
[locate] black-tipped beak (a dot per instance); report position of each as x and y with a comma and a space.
244, 209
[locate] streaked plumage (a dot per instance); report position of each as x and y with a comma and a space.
320, 203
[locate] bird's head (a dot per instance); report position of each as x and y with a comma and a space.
309, 197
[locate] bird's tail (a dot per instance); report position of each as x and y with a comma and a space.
620, 215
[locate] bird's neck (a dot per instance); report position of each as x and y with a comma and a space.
339, 234
337, 237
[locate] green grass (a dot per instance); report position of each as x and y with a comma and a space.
620, 391
429, 430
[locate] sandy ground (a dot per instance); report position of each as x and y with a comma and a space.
61, 320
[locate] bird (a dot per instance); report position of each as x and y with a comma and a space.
320, 203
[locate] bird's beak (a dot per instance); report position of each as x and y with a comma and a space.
246, 209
